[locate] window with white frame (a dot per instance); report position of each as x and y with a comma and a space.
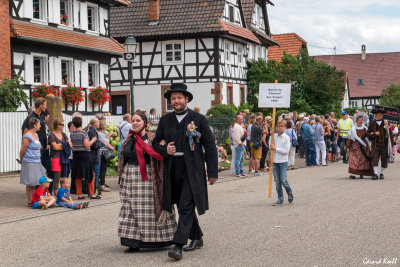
92, 17
227, 51
93, 77
66, 72
39, 69
65, 12
39, 9
173, 52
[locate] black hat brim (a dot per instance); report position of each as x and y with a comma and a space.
375, 111
168, 93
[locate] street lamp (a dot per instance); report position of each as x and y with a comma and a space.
130, 46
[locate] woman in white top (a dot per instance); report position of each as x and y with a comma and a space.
281, 148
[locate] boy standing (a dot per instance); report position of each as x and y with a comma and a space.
42, 197
64, 197
281, 148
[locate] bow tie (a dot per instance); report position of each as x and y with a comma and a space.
181, 113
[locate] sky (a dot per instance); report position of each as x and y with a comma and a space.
344, 24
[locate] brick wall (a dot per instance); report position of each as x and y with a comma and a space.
5, 48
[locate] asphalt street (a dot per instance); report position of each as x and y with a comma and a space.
333, 221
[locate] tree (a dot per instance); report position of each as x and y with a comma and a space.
11, 94
391, 96
316, 87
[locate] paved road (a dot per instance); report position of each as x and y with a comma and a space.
333, 221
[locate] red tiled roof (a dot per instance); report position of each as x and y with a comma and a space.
289, 42
45, 34
379, 71
238, 31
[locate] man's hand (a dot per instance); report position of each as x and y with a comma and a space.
212, 180
377, 133
273, 147
171, 149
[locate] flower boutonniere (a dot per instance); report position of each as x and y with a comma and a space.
193, 134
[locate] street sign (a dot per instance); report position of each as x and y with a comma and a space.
390, 114
274, 95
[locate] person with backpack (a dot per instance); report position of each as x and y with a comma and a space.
124, 127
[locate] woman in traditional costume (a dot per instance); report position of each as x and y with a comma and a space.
142, 222
357, 145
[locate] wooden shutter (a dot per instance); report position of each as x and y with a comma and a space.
76, 13
101, 20
103, 71
84, 74
28, 73
83, 17
28, 10
50, 11
51, 71
56, 11
57, 72
77, 70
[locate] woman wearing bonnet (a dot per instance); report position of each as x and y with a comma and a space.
357, 145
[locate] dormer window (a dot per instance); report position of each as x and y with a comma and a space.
231, 14
360, 82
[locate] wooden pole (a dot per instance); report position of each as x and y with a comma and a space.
271, 162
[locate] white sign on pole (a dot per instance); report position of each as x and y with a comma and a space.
274, 95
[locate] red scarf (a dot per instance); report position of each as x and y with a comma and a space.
140, 145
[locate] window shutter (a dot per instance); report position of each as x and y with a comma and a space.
103, 71
50, 11
57, 71
77, 69
76, 13
84, 17
85, 75
101, 20
28, 73
51, 71
56, 11
28, 9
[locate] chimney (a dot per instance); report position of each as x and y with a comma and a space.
5, 45
154, 10
363, 53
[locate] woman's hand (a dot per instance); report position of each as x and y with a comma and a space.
162, 143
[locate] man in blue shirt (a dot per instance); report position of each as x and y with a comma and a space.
309, 145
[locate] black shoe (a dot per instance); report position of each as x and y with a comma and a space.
290, 197
361, 176
196, 243
175, 253
131, 250
81, 197
95, 197
374, 177
352, 177
381, 176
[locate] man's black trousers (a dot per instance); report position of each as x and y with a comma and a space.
188, 225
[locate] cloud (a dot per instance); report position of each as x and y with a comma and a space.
343, 24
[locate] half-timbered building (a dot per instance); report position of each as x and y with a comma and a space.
204, 44
57, 42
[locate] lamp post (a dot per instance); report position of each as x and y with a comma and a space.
130, 46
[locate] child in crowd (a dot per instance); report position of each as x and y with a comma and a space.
64, 197
41, 197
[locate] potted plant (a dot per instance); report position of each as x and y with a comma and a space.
72, 95
99, 96
43, 90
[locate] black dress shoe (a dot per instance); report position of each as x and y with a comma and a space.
131, 250
381, 176
196, 243
361, 176
352, 177
374, 177
175, 253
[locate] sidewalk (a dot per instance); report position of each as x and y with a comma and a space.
14, 203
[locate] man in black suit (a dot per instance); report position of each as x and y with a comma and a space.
186, 134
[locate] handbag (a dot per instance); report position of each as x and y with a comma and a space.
294, 141
107, 154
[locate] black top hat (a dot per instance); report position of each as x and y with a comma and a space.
374, 111
178, 87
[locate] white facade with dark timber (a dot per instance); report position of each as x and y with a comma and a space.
60, 42
213, 64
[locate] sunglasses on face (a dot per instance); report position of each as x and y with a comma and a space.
61, 124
